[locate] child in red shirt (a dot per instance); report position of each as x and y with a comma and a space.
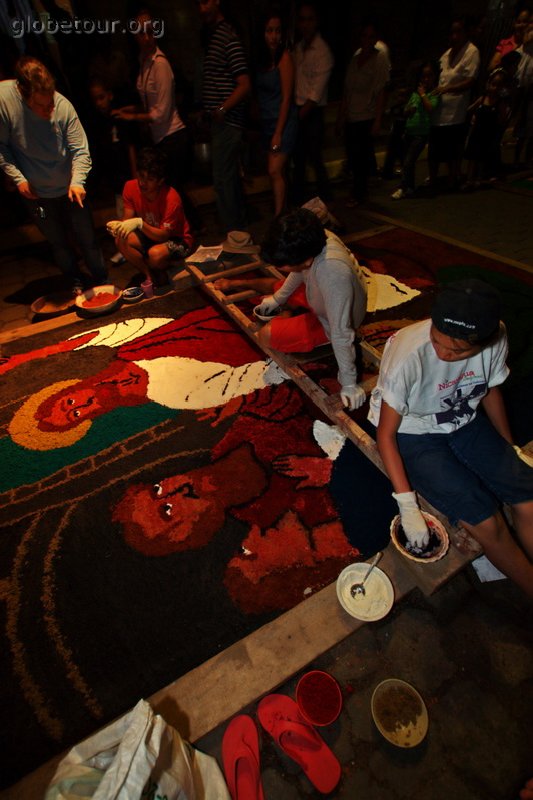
154, 229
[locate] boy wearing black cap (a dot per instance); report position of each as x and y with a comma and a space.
434, 377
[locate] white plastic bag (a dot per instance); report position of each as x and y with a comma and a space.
137, 756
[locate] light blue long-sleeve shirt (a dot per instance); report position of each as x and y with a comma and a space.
50, 155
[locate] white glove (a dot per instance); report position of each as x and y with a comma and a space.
413, 523
352, 396
269, 305
125, 227
112, 226
524, 456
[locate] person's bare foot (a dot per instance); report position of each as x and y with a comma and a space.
223, 284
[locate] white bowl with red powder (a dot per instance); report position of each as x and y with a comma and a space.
99, 299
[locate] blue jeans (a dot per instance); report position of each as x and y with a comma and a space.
467, 473
56, 218
413, 147
226, 152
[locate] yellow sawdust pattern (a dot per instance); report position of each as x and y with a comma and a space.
24, 428
31, 691
64, 652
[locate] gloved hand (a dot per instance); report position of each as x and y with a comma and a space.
352, 396
269, 305
125, 227
112, 226
413, 523
524, 456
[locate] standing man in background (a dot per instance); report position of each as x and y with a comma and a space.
226, 85
44, 150
314, 63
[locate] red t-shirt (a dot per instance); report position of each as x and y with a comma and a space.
166, 211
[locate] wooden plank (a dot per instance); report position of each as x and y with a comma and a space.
238, 296
38, 327
223, 271
372, 355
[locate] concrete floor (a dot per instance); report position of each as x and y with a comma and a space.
468, 649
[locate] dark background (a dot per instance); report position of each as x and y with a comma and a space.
414, 30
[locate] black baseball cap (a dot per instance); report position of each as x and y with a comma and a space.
467, 310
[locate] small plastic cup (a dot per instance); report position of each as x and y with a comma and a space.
319, 697
148, 288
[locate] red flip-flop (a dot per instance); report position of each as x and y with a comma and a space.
281, 718
240, 756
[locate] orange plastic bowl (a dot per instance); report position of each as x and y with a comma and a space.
319, 697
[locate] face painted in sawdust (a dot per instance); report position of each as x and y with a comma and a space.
120, 384
183, 512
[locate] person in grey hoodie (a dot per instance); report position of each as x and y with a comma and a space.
44, 150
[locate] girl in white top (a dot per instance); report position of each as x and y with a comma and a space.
459, 67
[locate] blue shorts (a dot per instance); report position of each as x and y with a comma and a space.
466, 474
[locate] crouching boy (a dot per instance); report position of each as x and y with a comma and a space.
154, 230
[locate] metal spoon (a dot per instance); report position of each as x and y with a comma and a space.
358, 589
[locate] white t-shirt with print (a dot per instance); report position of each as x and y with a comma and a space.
434, 396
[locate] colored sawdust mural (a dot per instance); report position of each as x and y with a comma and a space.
167, 491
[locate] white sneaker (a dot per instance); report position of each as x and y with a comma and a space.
117, 259
398, 194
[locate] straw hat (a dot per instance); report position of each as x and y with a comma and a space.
239, 242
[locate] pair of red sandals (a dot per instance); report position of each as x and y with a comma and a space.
280, 716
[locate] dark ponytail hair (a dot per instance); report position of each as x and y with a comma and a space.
263, 56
